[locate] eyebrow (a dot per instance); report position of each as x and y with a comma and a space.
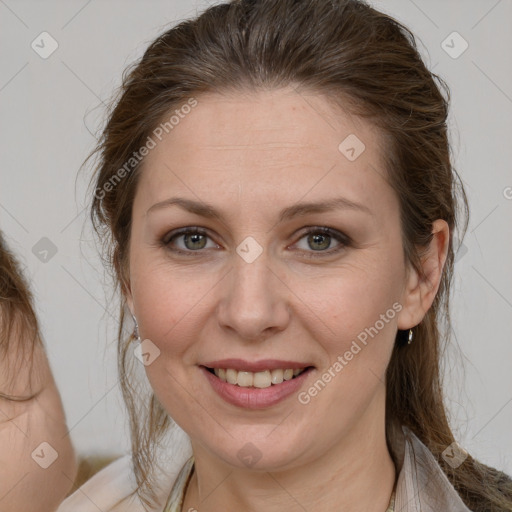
207, 210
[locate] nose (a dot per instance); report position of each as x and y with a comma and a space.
254, 300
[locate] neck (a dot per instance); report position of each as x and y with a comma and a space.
356, 475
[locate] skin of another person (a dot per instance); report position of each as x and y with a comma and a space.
250, 156
26, 485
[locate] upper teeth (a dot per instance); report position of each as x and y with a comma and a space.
257, 379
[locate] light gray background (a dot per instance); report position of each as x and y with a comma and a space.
48, 108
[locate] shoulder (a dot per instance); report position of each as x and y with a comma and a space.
112, 488
422, 483
106, 491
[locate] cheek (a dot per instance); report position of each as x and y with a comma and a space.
351, 298
171, 309
358, 311
354, 319
169, 303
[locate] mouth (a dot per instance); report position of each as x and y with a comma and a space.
262, 389
261, 379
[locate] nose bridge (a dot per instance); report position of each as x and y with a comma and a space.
251, 273
253, 301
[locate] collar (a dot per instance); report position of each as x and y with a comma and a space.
421, 486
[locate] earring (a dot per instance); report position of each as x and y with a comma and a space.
409, 339
136, 328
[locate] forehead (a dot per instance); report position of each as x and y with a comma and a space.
266, 141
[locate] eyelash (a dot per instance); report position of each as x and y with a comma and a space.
344, 240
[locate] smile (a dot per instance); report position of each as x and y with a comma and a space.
256, 390
263, 379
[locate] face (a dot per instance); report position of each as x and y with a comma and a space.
266, 280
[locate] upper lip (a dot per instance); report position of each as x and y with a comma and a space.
256, 366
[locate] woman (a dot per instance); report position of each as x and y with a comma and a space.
276, 194
37, 463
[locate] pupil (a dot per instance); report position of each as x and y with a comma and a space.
195, 238
318, 238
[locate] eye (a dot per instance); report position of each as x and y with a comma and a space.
319, 240
193, 240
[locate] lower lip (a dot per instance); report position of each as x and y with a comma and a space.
255, 398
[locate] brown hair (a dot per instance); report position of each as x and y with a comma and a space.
367, 62
19, 329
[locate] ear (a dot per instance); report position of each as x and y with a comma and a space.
126, 291
419, 291
125, 281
